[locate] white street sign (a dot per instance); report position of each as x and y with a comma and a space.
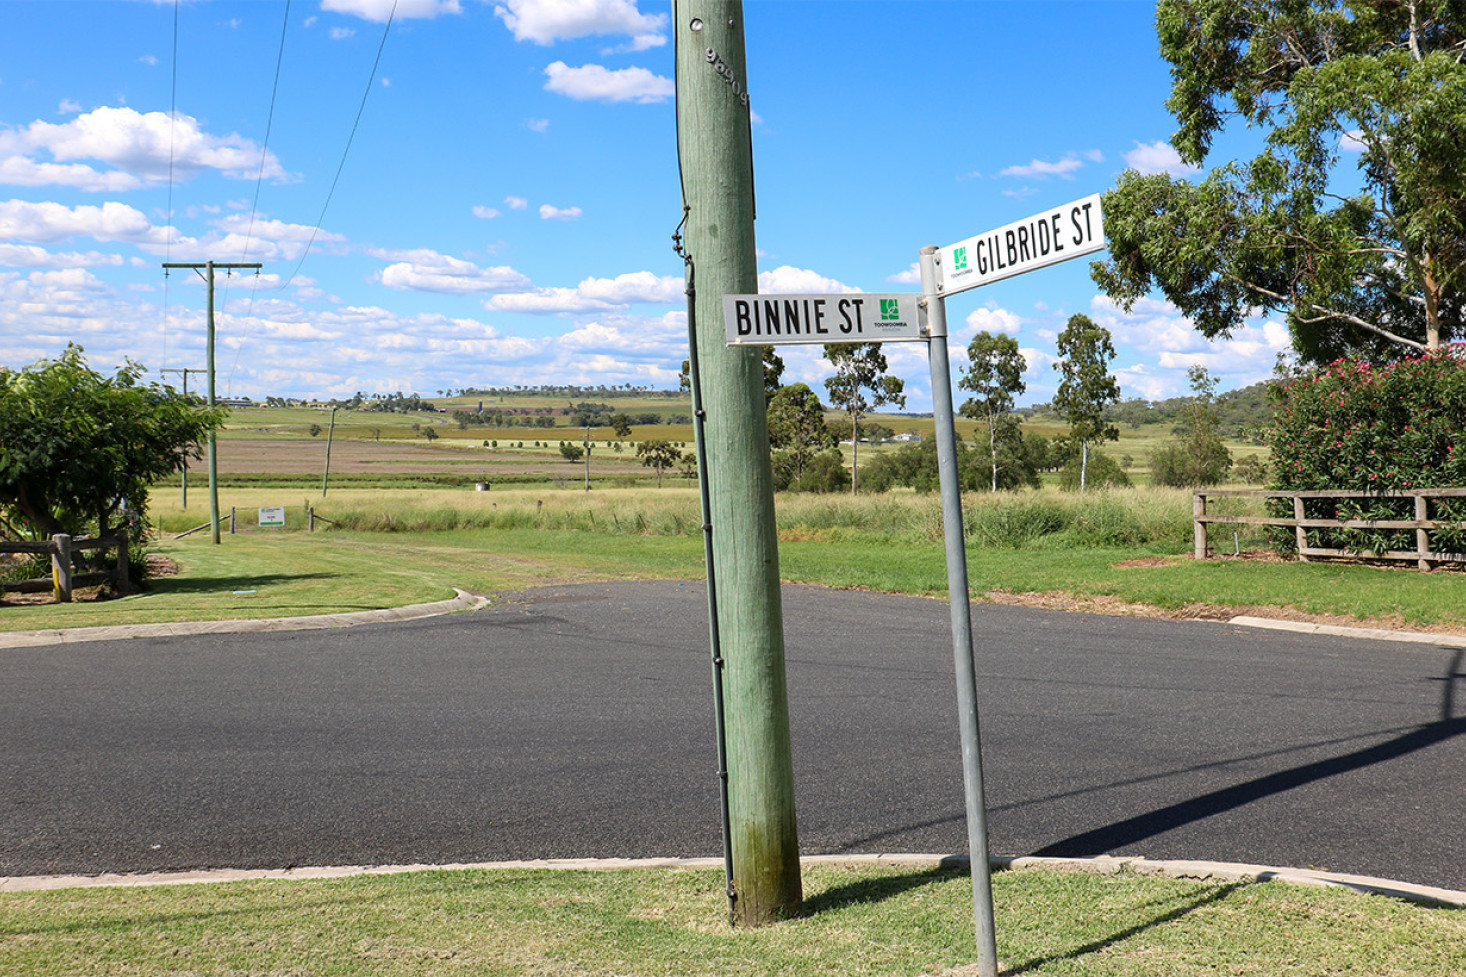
1070, 231
853, 317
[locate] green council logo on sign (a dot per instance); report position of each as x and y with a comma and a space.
890, 310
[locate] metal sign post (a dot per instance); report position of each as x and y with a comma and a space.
961, 609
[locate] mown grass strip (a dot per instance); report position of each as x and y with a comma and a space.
641, 923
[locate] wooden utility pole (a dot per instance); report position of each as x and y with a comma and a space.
715, 156
185, 371
200, 268
330, 434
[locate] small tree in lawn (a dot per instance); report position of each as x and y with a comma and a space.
658, 454
74, 444
1087, 388
995, 377
860, 369
571, 452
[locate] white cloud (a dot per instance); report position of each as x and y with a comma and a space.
68, 107
380, 10
342, 33
595, 82
593, 295
485, 213
1040, 168
429, 271
22, 220
787, 279
911, 276
1352, 141
1158, 157
537, 125
22, 171
547, 21
31, 256
994, 321
549, 212
142, 147
516, 203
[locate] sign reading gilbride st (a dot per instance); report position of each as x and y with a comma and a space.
855, 317
1070, 231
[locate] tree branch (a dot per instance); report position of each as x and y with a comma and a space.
1327, 313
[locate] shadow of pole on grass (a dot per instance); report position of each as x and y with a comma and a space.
1096, 946
866, 891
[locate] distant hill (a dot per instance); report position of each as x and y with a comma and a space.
1242, 414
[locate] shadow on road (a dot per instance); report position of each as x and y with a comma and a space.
1143, 826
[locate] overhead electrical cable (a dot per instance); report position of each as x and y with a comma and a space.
168, 245
255, 206
345, 152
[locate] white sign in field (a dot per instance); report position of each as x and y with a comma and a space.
856, 317
272, 515
1070, 231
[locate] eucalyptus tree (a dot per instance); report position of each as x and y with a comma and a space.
859, 386
1087, 387
994, 375
1352, 219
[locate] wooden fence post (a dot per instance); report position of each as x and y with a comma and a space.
120, 580
1302, 534
1422, 535
310, 518
61, 567
231, 520
1198, 513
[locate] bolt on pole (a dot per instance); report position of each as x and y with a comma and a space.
961, 608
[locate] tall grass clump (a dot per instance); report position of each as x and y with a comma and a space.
1014, 520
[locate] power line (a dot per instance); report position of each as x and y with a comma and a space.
172, 113
370, 81
255, 206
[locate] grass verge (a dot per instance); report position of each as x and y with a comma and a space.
858, 921
406, 547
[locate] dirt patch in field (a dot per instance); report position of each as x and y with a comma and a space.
297, 457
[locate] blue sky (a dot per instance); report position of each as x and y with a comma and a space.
505, 211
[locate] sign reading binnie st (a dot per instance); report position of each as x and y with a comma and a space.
852, 317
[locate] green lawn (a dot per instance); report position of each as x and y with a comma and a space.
670, 923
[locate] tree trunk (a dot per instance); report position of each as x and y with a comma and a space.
1083, 464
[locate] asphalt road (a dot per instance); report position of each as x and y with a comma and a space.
578, 723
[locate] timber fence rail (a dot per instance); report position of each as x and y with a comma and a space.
64, 578
241, 525
1424, 553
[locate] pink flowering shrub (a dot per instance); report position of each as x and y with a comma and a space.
1376, 429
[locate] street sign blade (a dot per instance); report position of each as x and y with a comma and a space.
1071, 231
850, 317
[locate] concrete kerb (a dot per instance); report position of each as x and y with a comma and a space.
1202, 871
1373, 634
464, 601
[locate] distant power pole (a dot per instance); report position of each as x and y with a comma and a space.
185, 371
716, 162
200, 269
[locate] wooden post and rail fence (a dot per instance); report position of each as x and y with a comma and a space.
64, 578
1424, 553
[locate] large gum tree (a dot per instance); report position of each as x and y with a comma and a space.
1351, 221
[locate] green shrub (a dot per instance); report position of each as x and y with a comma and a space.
1373, 429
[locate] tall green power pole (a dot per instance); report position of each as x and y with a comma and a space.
716, 161
201, 267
